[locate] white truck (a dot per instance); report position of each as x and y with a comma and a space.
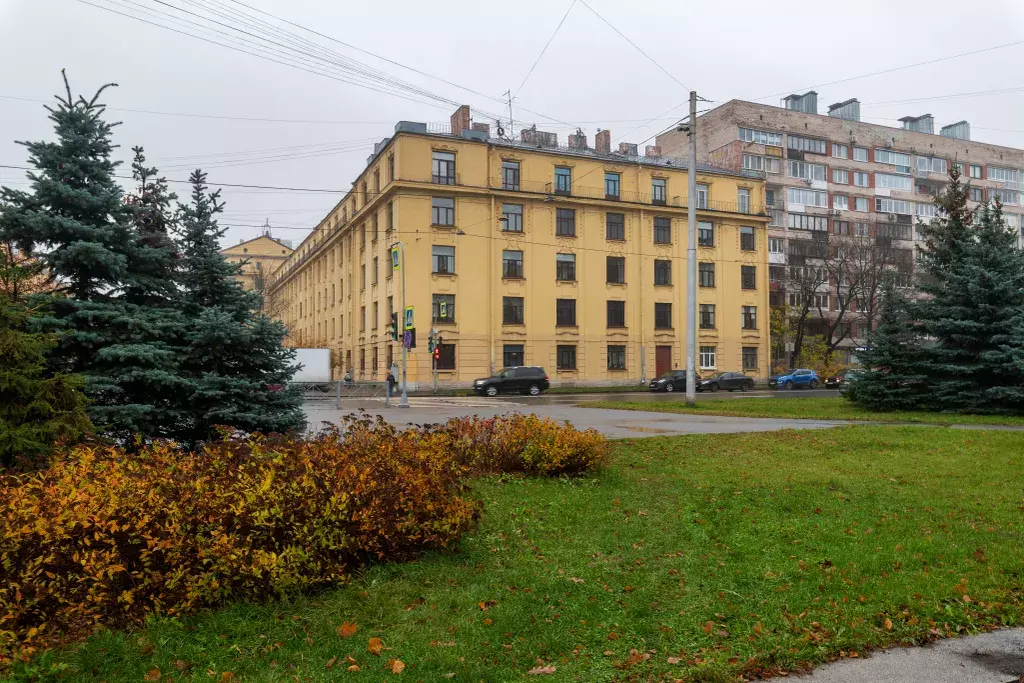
315, 366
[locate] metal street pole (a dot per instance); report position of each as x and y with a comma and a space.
404, 401
691, 257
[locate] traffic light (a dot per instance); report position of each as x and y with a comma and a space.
437, 354
394, 326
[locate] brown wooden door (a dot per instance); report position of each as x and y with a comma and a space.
662, 359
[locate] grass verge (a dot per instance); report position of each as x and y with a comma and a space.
828, 408
697, 557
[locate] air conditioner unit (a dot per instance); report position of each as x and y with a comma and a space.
892, 216
833, 212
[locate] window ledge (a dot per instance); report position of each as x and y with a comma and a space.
664, 329
616, 284
615, 239
568, 328
662, 244
442, 226
510, 278
443, 322
616, 327
668, 284
616, 369
436, 274
505, 324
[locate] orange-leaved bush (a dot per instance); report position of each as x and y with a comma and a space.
106, 537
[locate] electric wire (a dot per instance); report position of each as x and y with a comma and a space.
544, 49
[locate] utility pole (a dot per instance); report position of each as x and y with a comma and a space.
691, 257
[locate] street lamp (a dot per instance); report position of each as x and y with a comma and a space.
404, 401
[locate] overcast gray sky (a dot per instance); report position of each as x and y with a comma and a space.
589, 76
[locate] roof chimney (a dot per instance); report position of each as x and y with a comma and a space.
578, 140
461, 120
807, 103
603, 142
628, 148
961, 130
921, 124
653, 151
848, 110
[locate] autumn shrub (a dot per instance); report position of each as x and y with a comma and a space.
106, 537
523, 443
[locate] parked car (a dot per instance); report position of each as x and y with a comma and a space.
726, 380
673, 380
792, 379
525, 379
849, 377
840, 380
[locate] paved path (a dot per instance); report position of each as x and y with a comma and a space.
988, 658
616, 424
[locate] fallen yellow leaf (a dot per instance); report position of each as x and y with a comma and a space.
396, 666
374, 646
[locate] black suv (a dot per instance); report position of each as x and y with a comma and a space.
527, 379
673, 380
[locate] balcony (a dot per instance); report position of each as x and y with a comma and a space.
446, 179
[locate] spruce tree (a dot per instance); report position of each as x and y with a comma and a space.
891, 379
153, 216
236, 358
974, 282
76, 222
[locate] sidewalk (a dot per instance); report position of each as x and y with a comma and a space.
996, 657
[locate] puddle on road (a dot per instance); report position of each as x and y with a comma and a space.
645, 430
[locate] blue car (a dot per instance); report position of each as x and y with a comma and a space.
792, 379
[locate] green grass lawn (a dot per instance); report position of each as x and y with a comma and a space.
829, 408
697, 557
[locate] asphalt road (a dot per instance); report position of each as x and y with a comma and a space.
645, 395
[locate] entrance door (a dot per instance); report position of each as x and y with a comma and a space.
662, 359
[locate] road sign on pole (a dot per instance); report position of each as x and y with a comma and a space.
394, 259
408, 318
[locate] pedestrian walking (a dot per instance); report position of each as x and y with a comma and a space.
390, 381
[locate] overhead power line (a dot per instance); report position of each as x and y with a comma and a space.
545, 49
638, 48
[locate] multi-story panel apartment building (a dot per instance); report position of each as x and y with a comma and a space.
525, 252
832, 176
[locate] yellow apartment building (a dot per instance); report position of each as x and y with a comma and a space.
525, 252
260, 257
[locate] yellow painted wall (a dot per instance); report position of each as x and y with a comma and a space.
321, 295
262, 253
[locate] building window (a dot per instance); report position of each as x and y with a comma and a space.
512, 355
391, 167
616, 313
976, 171
362, 318
616, 269
511, 263
930, 165
512, 311
391, 217
840, 176
662, 316
776, 218
566, 357
708, 357
444, 168
376, 270
841, 202
977, 194
860, 204
512, 217
702, 196
362, 361
750, 358
760, 137
706, 234
861, 179
510, 175
658, 191
884, 205
662, 230
747, 240
615, 226
565, 222
861, 229
743, 200
893, 182
706, 274
444, 259
840, 151
563, 180
707, 316
860, 153
898, 159
376, 315
752, 162
565, 267
806, 171
748, 277
443, 210
776, 245
443, 308
612, 184
813, 145
389, 357
772, 165
616, 357
662, 272
446, 357
796, 195
841, 227
565, 312
750, 317
1003, 196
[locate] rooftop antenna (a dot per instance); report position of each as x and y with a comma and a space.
511, 129
266, 228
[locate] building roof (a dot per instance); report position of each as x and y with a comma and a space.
235, 247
